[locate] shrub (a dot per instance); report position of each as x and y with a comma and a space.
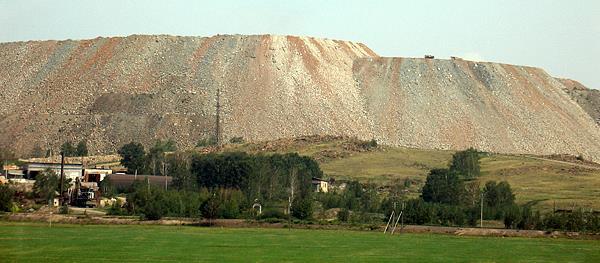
302, 208
153, 210
367, 145
343, 215
63, 210
272, 213
237, 140
206, 142
512, 215
6, 198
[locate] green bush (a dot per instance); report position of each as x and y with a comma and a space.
302, 208
367, 145
7, 195
466, 163
272, 213
343, 215
237, 140
116, 209
63, 210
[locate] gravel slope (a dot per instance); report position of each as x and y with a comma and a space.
114, 90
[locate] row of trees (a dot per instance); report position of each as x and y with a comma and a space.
278, 181
68, 148
137, 160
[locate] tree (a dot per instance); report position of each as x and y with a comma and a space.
47, 184
466, 163
156, 155
68, 149
210, 208
497, 198
179, 169
133, 157
155, 208
7, 195
512, 215
498, 195
442, 186
302, 208
82, 149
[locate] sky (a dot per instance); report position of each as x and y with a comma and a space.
562, 37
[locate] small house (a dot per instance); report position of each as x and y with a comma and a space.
320, 185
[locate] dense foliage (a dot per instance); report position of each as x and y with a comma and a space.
442, 186
47, 185
133, 157
6, 197
228, 183
466, 163
82, 149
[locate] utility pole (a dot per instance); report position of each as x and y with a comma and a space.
481, 212
165, 173
402, 216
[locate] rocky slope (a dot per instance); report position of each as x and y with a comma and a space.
588, 99
110, 91
456, 104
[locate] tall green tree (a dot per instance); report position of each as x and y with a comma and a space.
179, 168
442, 186
498, 194
466, 163
156, 155
7, 195
133, 157
47, 184
82, 149
68, 149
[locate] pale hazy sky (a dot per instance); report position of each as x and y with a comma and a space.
562, 37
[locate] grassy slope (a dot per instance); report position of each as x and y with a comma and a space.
120, 243
540, 181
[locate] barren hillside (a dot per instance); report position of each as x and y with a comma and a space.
114, 90
110, 91
454, 104
588, 99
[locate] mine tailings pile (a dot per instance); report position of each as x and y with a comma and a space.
110, 91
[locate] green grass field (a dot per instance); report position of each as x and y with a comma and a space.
28, 242
543, 183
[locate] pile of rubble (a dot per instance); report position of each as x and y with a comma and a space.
111, 91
